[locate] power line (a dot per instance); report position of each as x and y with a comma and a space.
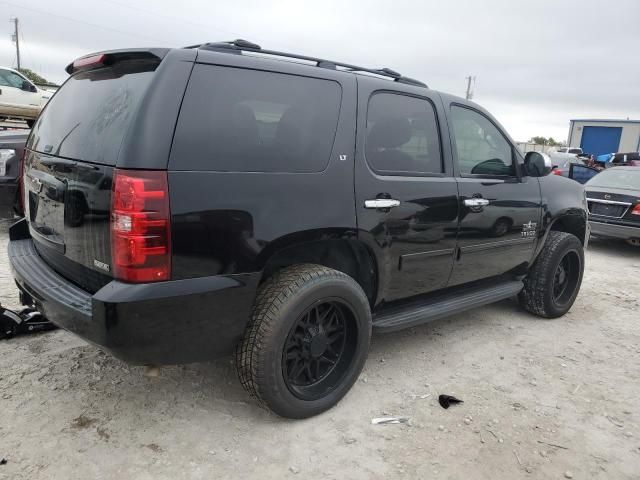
208, 28
64, 17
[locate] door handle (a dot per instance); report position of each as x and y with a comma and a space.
476, 202
381, 203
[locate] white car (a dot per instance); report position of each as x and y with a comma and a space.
571, 150
565, 156
19, 97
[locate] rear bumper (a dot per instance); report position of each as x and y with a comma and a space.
613, 230
172, 322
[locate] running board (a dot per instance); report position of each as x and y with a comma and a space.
409, 315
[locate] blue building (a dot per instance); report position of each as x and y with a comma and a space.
598, 136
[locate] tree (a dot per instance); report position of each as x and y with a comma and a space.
33, 76
538, 140
546, 141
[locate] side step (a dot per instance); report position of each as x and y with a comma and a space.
423, 311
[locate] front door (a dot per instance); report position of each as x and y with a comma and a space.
406, 195
499, 208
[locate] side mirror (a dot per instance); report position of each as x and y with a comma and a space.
28, 87
537, 164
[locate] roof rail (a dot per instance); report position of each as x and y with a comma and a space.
239, 45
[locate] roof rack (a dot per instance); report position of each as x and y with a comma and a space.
239, 45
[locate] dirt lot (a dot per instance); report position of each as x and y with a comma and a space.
542, 399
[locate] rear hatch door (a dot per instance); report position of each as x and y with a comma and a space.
70, 161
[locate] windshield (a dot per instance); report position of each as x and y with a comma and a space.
628, 179
89, 116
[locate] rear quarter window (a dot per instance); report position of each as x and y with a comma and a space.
240, 120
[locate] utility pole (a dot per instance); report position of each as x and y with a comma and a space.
16, 38
469, 95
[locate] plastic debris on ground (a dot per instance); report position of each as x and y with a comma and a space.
447, 400
386, 420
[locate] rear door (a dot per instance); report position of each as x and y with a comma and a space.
499, 208
406, 196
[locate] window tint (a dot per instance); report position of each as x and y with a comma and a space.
10, 79
402, 135
481, 148
581, 173
241, 120
562, 150
617, 178
89, 116
575, 150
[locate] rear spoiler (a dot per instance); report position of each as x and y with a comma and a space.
109, 57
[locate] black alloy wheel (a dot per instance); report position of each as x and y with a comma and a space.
306, 342
566, 276
319, 349
553, 282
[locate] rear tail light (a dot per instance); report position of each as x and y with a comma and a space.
636, 210
140, 226
557, 171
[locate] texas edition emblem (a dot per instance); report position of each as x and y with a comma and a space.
529, 229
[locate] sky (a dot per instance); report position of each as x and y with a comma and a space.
537, 63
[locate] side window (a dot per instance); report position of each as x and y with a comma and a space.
239, 120
481, 148
10, 79
402, 135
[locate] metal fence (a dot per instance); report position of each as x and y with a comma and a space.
534, 147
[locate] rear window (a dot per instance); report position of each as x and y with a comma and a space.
628, 179
402, 135
89, 116
239, 120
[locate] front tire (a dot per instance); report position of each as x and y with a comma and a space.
554, 281
307, 340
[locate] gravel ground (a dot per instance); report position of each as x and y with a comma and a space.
542, 399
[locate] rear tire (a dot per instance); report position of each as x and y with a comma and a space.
554, 281
307, 340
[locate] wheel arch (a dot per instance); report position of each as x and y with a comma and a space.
573, 223
339, 249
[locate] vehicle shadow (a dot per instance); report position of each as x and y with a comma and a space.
103, 385
613, 246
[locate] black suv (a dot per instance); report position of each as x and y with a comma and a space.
184, 203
